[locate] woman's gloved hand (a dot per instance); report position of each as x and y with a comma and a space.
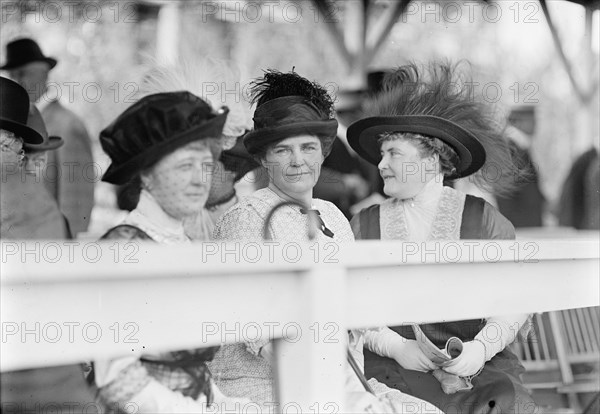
469, 362
410, 356
405, 352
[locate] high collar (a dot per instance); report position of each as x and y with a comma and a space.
429, 195
150, 217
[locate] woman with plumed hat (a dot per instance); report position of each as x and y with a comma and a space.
423, 128
294, 128
221, 78
165, 145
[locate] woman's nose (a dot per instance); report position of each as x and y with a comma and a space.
383, 163
296, 158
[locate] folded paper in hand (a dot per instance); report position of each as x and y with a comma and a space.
443, 357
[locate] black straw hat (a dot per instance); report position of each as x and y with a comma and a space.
153, 127
14, 111
286, 117
363, 135
23, 51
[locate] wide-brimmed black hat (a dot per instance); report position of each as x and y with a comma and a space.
23, 51
286, 117
36, 122
288, 105
363, 135
14, 110
155, 126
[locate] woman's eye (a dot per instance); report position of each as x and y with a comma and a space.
281, 151
310, 149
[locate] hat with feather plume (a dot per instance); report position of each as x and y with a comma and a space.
288, 105
178, 103
437, 102
216, 81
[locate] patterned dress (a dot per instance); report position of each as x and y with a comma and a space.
239, 370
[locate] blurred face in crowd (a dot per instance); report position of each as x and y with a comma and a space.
35, 162
404, 170
294, 165
33, 77
180, 181
11, 150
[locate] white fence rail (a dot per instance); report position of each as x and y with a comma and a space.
64, 302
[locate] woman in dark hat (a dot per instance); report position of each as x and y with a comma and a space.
293, 132
419, 132
165, 144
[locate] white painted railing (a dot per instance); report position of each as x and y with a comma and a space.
66, 302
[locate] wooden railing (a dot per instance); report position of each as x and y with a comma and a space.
69, 302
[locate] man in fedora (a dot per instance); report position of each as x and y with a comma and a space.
68, 176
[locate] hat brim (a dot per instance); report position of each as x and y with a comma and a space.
27, 134
122, 173
12, 65
363, 135
52, 144
326, 130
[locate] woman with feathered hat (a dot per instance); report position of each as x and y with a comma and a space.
425, 127
164, 147
294, 130
219, 81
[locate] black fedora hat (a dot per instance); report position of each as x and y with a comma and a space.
23, 51
363, 135
36, 122
286, 117
152, 128
14, 111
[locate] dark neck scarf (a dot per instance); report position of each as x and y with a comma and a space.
322, 225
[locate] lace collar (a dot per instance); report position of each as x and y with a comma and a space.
152, 219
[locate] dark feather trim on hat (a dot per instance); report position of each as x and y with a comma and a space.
444, 90
276, 84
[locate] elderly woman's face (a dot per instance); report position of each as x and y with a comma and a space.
404, 171
180, 181
294, 164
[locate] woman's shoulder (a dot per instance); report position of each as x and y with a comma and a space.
335, 219
243, 220
493, 223
125, 232
328, 209
255, 204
